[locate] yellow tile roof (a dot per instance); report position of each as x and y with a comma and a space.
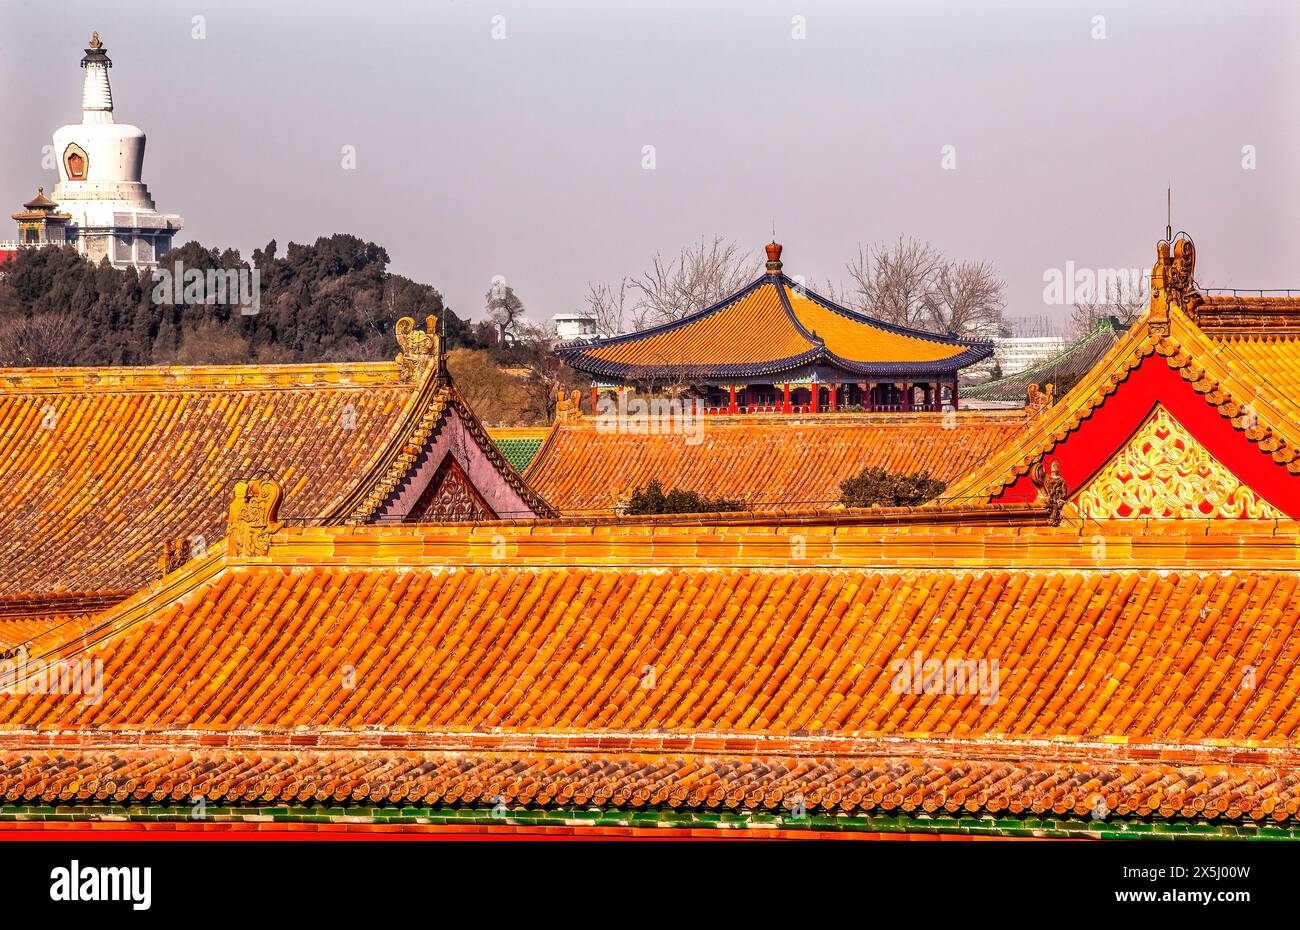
853, 337
1085, 651
753, 329
659, 661
102, 467
773, 325
1271, 360
778, 463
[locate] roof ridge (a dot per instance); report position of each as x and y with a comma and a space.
781, 283
197, 377
603, 341
1101, 330
422, 419
631, 740
896, 328
1013, 536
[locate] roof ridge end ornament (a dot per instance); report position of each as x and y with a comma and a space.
1173, 280
254, 517
420, 347
568, 409
1039, 399
175, 553
1053, 492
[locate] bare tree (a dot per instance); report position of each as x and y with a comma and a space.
43, 339
910, 283
208, 343
544, 378
497, 396
892, 282
503, 308
837, 293
607, 307
1123, 303
966, 299
697, 278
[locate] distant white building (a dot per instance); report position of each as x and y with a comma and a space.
105, 207
1014, 354
574, 325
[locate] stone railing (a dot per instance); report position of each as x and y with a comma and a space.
14, 245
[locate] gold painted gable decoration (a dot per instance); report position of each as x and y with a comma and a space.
1163, 472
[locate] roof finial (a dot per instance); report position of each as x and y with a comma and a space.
441, 346
1169, 211
94, 40
773, 256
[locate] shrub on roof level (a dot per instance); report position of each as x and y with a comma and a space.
653, 499
876, 487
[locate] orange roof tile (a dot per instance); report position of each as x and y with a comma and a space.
103, 466
1141, 655
772, 464
107, 467
439, 663
881, 782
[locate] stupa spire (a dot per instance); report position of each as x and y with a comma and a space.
96, 95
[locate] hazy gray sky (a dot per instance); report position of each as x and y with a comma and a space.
522, 156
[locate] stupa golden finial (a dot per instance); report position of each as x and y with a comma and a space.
94, 40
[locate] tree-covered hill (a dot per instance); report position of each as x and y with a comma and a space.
333, 300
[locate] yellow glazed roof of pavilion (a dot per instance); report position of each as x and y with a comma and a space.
773, 326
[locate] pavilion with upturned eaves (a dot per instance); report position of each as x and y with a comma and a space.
777, 347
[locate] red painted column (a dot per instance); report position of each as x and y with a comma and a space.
731, 407
954, 392
595, 398
785, 407
907, 397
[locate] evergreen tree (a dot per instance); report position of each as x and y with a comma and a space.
332, 300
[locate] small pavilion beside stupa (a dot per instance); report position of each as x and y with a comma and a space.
777, 347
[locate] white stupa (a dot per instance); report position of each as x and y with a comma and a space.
100, 164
